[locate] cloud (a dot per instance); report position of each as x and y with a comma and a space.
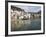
30, 8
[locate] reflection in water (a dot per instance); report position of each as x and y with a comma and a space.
21, 25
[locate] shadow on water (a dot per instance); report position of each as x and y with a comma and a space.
22, 25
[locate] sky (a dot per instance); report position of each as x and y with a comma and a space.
30, 8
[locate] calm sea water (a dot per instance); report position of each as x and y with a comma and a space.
22, 25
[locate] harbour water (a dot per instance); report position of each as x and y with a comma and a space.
23, 25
